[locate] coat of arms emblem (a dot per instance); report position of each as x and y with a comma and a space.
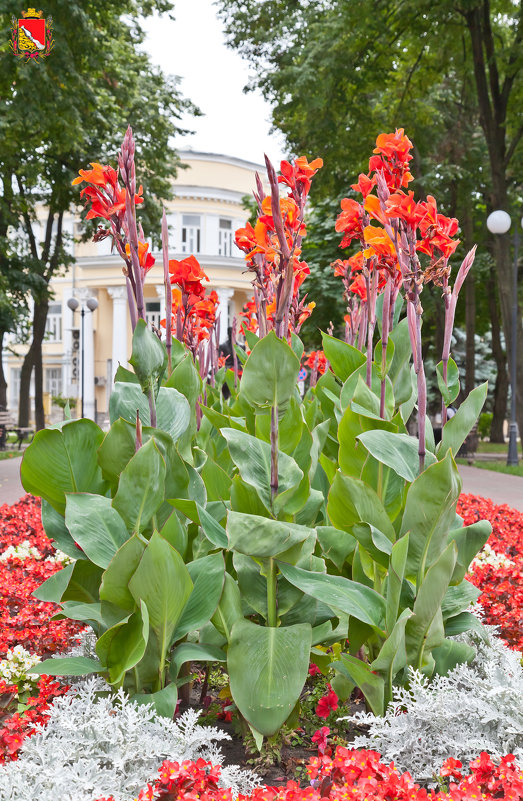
31, 36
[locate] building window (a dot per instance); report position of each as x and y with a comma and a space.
191, 233
53, 324
153, 313
53, 381
225, 238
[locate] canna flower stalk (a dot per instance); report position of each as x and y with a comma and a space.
168, 293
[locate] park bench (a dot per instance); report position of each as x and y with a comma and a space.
9, 425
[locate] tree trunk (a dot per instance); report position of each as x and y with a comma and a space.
501, 387
470, 311
3, 382
33, 354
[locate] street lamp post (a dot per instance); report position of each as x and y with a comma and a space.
499, 222
91, 304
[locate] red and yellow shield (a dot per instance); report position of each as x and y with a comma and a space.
31, 35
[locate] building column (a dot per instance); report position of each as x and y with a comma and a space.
119, 353
224, 296
87, 348
160, 291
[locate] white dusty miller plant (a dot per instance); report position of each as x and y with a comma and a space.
477, 707
95, 746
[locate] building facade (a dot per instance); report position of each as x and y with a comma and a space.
206, 210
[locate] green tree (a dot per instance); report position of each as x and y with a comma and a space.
59, 113
450, 73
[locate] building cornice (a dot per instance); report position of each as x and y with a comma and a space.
198, 155
208, 193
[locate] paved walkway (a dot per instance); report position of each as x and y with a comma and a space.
499, 487
11, 489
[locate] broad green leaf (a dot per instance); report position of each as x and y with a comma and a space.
116, 450
267, 669
429, 513
270, 373
123, 646
84, 584
263, 537
82, 611
217, 481
352, 456
336, 545
114, 587
229, 608
344, 358
252, 457
186, 379
61, 461
207, 575
162, 581
371, 685
54, 587
175, 533
351, 500
458, 427
194, 652
459, 598
149, 356
465, 621
212, 529
398, 451
172, 409
451, 653
392, 656
244, 498
56, 530
340, 593
374, 542
424, 629
396, 574
67, 666
162, 701
450, 388
470, 540
141, 488
95, 526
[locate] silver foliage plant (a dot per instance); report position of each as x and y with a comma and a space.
95, 746
477, 707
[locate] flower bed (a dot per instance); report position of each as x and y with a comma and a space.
27, 558
500, 575
356, 774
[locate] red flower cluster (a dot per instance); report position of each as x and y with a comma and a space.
327, 704
26, 621
192, 781
349, 775
317, 361
272, 243
106, 199
193, 313
501, 587
378, 246
15, 728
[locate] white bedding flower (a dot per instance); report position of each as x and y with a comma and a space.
13, 669
488, 556
22, 551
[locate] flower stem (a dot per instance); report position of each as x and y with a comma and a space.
272, 610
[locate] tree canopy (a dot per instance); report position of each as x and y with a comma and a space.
62, 112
